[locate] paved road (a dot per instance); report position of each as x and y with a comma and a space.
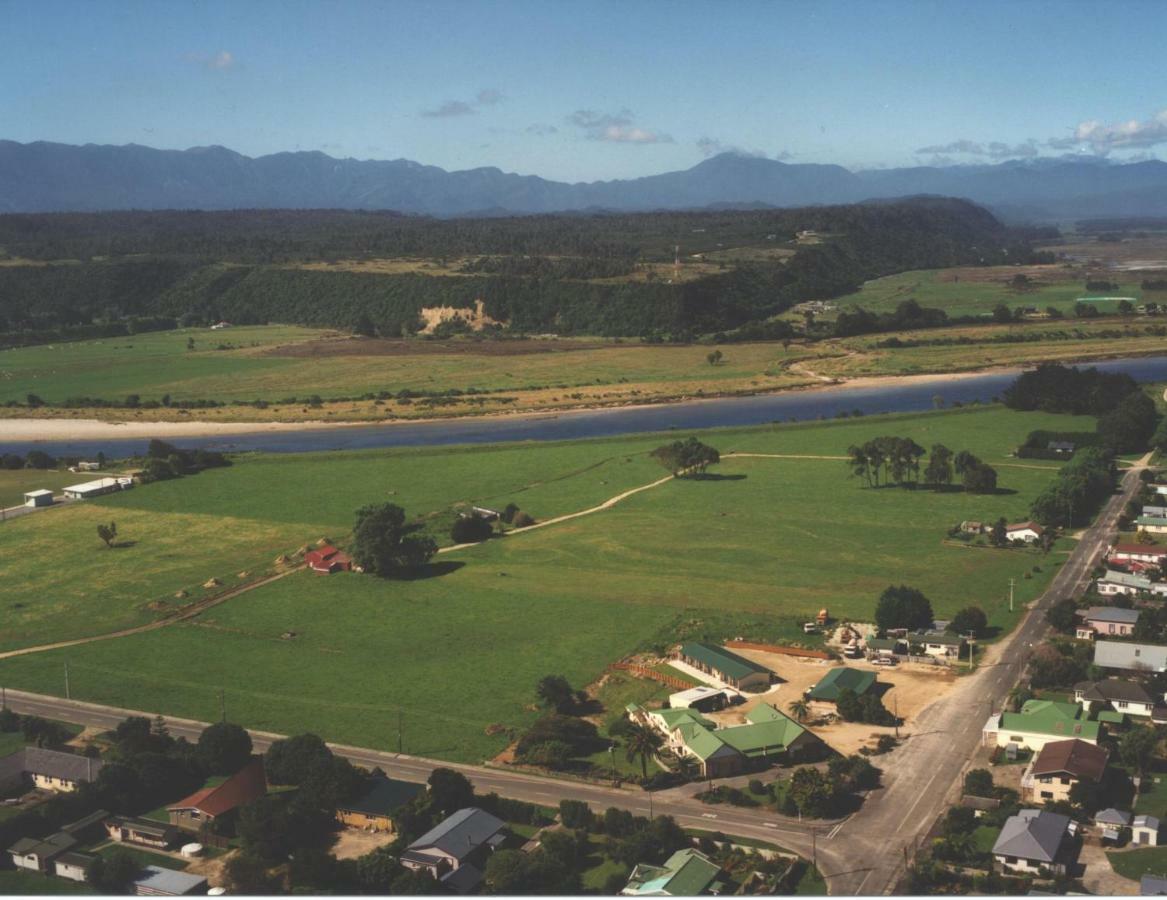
861, 855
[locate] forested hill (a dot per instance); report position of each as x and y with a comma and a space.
75, 274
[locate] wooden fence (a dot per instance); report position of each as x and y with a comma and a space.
774, 648
652, 674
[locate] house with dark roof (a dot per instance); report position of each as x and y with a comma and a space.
1060, 765
142, 832
72, 865
50, 770
826, 691
939, 644
455, 852
725, 665
1124, 697
1145, 831
37, 854
1033, 840
687, 873
200, 809
1108, 620
373, 808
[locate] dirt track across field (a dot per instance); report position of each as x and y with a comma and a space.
362, 346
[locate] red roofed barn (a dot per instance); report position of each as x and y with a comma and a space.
328, 559
204, 806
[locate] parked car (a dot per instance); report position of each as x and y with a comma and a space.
810, 628
885, 661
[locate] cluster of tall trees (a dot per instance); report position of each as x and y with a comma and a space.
163, 461
1080, 488
689, 456
897, 460
1066, 389
900, 606
385, 544
145, 270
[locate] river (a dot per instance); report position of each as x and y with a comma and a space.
909, 396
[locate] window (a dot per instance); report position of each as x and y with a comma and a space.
1066, 780
1047, 795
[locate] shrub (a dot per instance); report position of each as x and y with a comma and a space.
522, 520
470, 530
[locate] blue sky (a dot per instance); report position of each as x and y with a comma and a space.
598, 90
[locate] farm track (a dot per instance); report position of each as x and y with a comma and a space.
189, 612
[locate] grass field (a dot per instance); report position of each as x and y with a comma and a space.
971, 291
16, 882
1134, 864
14, 482
765, 543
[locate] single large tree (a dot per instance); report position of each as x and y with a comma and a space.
555, 691
939, 469
385, 544
449, 791
224, 748
903, 607
686, 457
108, 533
642, 742
970, 619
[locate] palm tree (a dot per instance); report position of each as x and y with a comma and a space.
686, 766
800, 708
642, 741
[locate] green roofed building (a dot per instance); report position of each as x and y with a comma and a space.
725, 665
767, 734
838, 678
687, 873
1039, 723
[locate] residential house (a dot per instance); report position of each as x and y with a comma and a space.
1157, 511
979, 805
1128, 584
1040, 722
767, 734
86, 466
99, 487
56, 770
38, 498
1151, 524
1029, 532
1158, 488
455, 852
1137, 557
726, 666
1145, 831
1107, 620
1059, 766
1112, 821
373, 809
1032, 841
687, 873
1125, 697
158, 882
72, 865
327, 559
37, 855
826, 692
884, 647
972, 527
200, 809
1130, 657
939, 644
703, 698
143, 832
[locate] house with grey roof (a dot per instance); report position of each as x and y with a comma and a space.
1032, 841
455, 852
1126, 697
1130, 657
1107, 620
72, 865
158, 882
49, 770
37, 854
1145, 831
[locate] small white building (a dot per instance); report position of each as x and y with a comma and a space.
1145, 831
1029, 532
72, 865
703, 698
38, 498
99, 487
941, 644
1151, 524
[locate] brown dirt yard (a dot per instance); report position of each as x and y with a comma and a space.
911, 687
352, 842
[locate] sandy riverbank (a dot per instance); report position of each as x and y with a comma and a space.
61, 428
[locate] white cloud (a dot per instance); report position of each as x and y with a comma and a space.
1101, 138
453, 108
712, 146
615, 127
220, 61
994, 150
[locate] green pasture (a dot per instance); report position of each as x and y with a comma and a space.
1134, 864
753, 549
14, 483
158, 363
20, 882
958, 295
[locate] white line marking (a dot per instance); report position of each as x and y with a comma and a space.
708, 816
770, 824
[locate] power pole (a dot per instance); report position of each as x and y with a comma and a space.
814, 847
1012, 581
895, 697
400, 732
971, 661
222, 705
67, 697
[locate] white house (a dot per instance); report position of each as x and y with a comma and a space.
1024, 531
1033, 840
1128, 697
38, 498
72, 865
941, 644
98, 487
1151, 524
1145, 831
1124, 583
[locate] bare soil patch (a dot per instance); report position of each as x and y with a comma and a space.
352, 843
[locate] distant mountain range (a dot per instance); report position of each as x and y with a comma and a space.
48, 177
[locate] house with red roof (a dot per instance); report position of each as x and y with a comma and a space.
204, 806
1024, 531
327, 559
1137, 557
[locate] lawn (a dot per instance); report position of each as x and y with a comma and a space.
17, 882
1152, 799
143, 857
753, 550
1134, 864
14, 483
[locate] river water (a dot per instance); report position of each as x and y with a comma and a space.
909, 396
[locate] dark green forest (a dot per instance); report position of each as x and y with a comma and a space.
108, 273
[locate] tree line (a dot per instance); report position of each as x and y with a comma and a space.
897, 460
